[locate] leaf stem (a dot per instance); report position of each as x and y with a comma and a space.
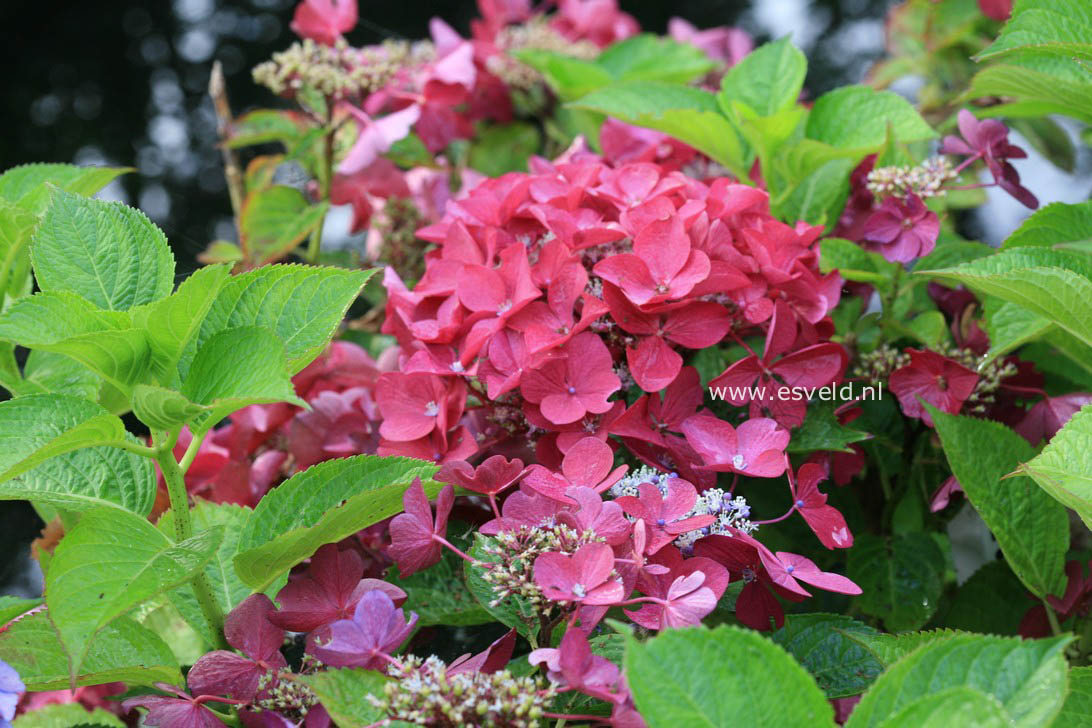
314, 245
191, 452
1055, 628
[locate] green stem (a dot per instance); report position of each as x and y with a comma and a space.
1052, 618
314, 245
191, 452
183, 529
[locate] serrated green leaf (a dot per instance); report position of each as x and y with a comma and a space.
323, 504
818, 198
1050, 92
109, 563
1051, 28
275, 220
984, 602
1031, 692
647, 57
822, 431
1055, 225
163, 409
890, 648
690, 115
854, 263
950, 707
858, 117
67, 715
901, 577
88, 478
840, 666
302, 305
439, 595
570, 78
1064, 467
722, 677
1077, 709
26, 184
121, 651
47, 372
236, 368
40, 426
768, 79
109, 253
1050, 138
343, 693
952, 252
16, 226
12, 607
1010, 326
1030, 527
513, 610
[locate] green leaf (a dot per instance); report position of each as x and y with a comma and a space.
1010, 326
950, 707
109, 253
1030, 527
722, 677
690, 115
439, 595
504, 148
902, 578
857, 118
1061, 28
1050, 138
818, 199
16, 226
121, 651
570, 78
513, 610
822, 431
984, 603
226, 586
647, 57
302, 305
1064, 467
109, 563
171, 323
266, 125
930, 328
12, 607
163, 409
1056, 225
1049, 92
235, 368
890, 648
768, 79
323, 504
40, 426
343, 692
275, 220
1077, 708
840, 666
27, 183
1030, 692
67, 715
88, 478
854, 263
47, 372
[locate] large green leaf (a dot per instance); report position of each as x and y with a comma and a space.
26, 184
648, 57
1011, 326
109, 253
1052, 28
235, 368
1064, 467
302, 305
1057, 225
121, 651
1077, 709
723, 677
88, 478
901, 578
768, 79
890, 648
109, 563
67, 715
840, 666
1027, 678
40, 426
323, 504
344, 694
958, 706
47, 372
854, 263
822, 431
1057, 94
16, 226
858, 118
690, 115
275, 220
569, 77
818, 198
1031, 528
984, 602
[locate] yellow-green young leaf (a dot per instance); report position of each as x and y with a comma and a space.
122, 651
854, 263
12, 607
1026, 677
275, 220
1064, 467
569, 77
1031, 528
16, 225
343, 692
302, 305
47, 372
819, 642
1077, 709
690, 115
323, 504
1046, 28
930, 328
857, 118
648, 57
109, 253
703, 678
959, 706
40, 426
163, 409
172, 322
1055, 226
236, 368
1011, 326
88, 478
902, 578
819, 197
27, 183
108, 564
767, 80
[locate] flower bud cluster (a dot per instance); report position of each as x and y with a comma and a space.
291, 698
512, 554
423, 693
876, 366
730, 512
990, 377
535, 34
396, 226
339, 71
925, 180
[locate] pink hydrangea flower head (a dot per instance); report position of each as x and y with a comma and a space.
585, 577
662, 267
988, 140
587, 463
493, 476
181, 711
755, 448
324, 20
565, 390
901, 230
248, 629
413, 405
663, 513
